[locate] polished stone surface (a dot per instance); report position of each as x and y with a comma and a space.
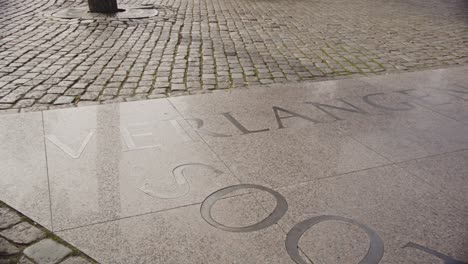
182, 236
372, 169
104, 164
23, 177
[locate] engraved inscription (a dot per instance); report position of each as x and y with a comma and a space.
199, 124
373, 256
141, 132
277, 109
446, 259
239, 126
182, 185
75, 154
367, 99
180, 131
279, 211
326, 108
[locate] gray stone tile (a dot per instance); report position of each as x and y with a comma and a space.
407, 135
108, 183
446, 173
455, 110
399, 207
182, 236
24, 175
47, 251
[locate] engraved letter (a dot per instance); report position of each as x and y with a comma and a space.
446, 259
425, 98
180, 131
182, 186
138, 131
367, 100
353, 109
72, 153
273, 218
373, 256
276, 109
199, 124
240, 126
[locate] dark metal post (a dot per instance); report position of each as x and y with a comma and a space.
103, 6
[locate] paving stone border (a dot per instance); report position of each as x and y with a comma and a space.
22, 241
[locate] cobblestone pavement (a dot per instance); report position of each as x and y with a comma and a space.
195, 46
24, 242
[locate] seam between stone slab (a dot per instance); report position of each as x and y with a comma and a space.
380, 166
439, 113
439, 188
47, 173
148, 213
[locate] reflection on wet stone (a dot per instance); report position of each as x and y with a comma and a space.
75, 154
140, 132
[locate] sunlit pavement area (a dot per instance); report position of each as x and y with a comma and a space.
194, 46
364, 170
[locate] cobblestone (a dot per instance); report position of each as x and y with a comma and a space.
24, 242
8, 217
24, 260
6, 248
64, 100
47, 251
23, 233
204, 45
